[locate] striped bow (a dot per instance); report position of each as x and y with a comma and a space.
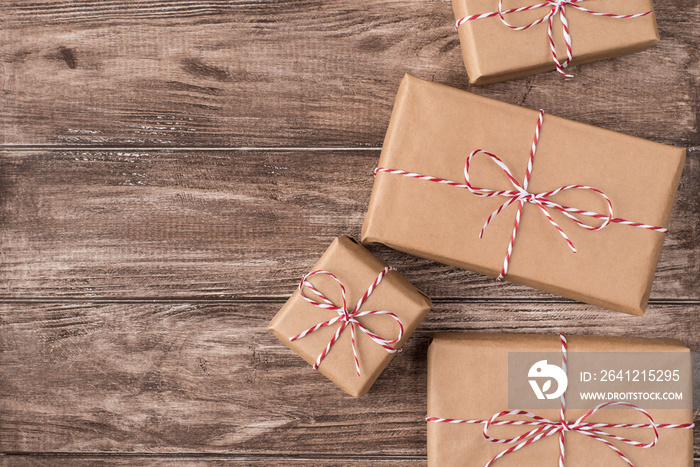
345, 317
522, 196
555, 7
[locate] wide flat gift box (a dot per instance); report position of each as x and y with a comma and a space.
432, 131
493, 52
468, 380
356, 268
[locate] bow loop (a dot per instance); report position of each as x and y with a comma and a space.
556, 7
484, 192
545, 201
588, 428
327, 304
346, 317
527, 419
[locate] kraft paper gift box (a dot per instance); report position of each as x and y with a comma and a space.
356, 268
434, 128
468, 380
493, 52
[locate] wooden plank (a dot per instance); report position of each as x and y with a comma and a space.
184, 378
101, 224
313, 73
200, 461
22, 461
196, 462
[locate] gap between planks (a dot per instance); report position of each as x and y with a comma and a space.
19, 148
223, 456
243, 456
280, 300
5, 147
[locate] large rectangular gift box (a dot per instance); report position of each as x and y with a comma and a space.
494, 52
435, 128
468, 380
351, 358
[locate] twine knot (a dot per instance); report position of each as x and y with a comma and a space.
566, 427
559, 3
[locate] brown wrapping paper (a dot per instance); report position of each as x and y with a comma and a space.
356, 268
467, 379
493, 52
433, 129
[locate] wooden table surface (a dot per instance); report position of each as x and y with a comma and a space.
170, 169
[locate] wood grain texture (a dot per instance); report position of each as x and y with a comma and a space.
239, 224
169, 378
337, 460
80, 461
294, 73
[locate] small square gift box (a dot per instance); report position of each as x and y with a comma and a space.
470, 387
350, 315
494, 188
507, 39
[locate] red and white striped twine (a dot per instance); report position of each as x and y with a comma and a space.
345, 317
556, 6
545, 427
522, 196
